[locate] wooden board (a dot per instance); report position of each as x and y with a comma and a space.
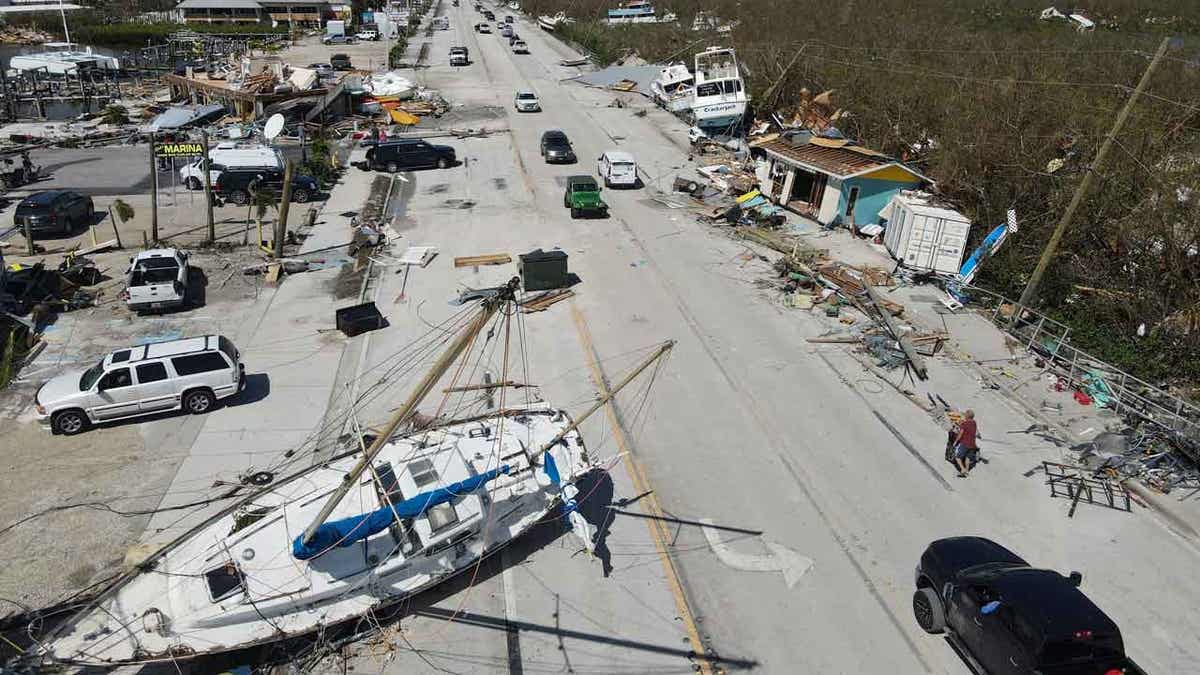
488, 259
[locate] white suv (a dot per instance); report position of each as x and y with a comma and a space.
189, 374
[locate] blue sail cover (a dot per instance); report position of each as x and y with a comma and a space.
347, 531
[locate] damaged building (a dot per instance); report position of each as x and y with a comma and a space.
831, 180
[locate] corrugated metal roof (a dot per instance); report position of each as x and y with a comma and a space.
218, 4
841, 162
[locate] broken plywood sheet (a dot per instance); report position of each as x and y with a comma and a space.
418, 255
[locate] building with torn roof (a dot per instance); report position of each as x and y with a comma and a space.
281, 12
831, 180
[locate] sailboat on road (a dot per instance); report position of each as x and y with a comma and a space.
412, 506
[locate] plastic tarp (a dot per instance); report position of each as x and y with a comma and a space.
347, 531
303, 79
178, 117
404, 117
390, 84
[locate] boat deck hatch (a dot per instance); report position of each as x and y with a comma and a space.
223, 581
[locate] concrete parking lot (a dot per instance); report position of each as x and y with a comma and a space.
768, 498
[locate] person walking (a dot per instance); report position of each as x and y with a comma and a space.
965, 444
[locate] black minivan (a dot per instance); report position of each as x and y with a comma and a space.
54, 212
393, 156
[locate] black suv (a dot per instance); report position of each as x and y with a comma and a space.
54, 212
236, 185
340, 62
393, 156
556, 147
1005, 617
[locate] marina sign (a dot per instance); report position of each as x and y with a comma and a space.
178, 149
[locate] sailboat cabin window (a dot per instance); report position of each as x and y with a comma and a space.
422, 472
441, 516
224, 581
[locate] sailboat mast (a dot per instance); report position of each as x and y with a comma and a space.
666, 347
63, 10
406, 411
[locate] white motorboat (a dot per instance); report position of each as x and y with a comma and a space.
63, 58
637, 11
673, 88
401, 513
719, 102
550, 23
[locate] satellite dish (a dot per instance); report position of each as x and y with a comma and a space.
273, 126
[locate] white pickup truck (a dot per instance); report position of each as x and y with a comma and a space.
156, 279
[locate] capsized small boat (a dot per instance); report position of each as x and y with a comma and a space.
402, 512
673, 88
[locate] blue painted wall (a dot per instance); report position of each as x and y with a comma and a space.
873, 195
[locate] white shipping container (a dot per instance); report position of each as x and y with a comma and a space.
335, 28
923, 236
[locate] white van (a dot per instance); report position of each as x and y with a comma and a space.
441, 23
191, 374
617, 168
231, 155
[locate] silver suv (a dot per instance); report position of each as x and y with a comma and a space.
189, 374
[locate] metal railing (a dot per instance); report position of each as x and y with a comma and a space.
1122, 392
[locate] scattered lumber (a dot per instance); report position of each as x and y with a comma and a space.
488, 259
543, 301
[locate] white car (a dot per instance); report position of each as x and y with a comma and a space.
617, 168
527, 101
190, 374
367, 35
519, 47
156, 279
229, 155
483, 28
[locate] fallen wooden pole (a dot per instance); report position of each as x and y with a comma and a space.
488, 385
917, 361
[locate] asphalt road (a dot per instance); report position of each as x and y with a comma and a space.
795, 453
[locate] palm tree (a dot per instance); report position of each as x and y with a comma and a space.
119, 208
115, 115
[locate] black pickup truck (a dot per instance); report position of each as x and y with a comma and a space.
1005, 617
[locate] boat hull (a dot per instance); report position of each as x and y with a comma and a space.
170, 608
722, 115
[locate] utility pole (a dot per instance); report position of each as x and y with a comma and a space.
208, 197
153, 189
1030, 292
281, 226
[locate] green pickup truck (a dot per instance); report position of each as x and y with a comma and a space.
583, 195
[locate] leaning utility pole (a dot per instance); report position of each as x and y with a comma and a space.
208, 197
1030, 292
284, 203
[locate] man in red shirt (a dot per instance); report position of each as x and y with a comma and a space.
964, 444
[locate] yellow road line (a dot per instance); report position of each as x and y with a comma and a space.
656, 524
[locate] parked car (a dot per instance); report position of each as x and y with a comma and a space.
440, 23
459, 56
190, 374
403, 155
323, 69
483, 28
338, 40
556, 147
617, 168
527, 101
583, 196
519, 47
340, 62
1005, 617
54, 212
238, 184
368, 35
156, 279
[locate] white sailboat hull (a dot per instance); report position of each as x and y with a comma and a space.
172, 610
719, 114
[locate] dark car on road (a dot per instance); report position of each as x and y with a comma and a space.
393, 156
556, 147
237, 185
1005, 617
58, 212
340, 62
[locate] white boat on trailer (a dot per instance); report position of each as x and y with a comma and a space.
410, 511
719, 102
